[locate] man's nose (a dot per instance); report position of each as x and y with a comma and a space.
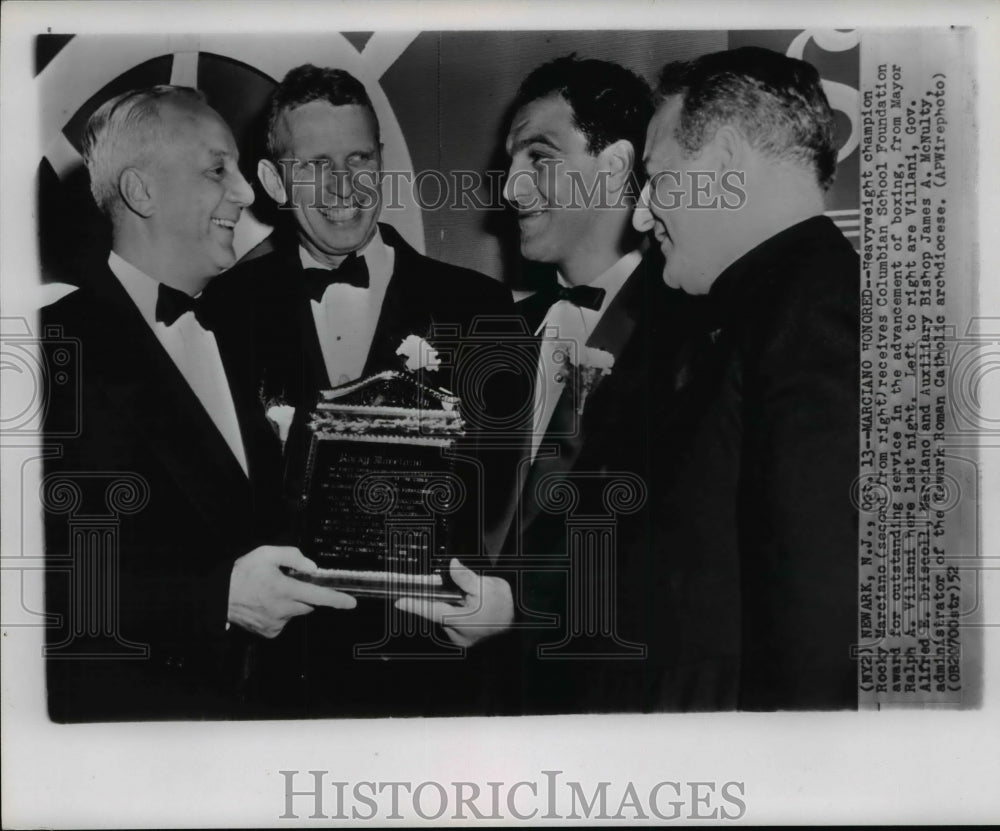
642, 217
521, 188
240, 191
338, 182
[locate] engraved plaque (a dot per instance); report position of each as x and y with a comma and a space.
376, 488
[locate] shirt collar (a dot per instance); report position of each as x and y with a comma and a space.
377, 256
611, 280
143, 289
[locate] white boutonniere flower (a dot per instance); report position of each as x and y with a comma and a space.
279, 415
599, 360
584, 376
419, 354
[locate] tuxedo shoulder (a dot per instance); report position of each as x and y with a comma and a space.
262, 268
466, 281
820, 279
530, 305
460, 291
258, 280
818, 262
462, 285
812, 313
71, 312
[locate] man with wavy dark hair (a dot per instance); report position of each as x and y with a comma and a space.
761, 524
609, 101
610, 339
574, 148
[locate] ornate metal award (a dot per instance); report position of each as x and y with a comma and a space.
376, 487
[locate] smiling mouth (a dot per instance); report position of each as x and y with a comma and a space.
340, 214
228, 224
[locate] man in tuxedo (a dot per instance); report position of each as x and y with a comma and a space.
160, 498
578, 553
332, 295
335, 292
760, 519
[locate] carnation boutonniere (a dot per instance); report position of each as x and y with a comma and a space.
418, 354
279, 414
584, 375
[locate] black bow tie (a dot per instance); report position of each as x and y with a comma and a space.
353, 271
586, 297
171, 303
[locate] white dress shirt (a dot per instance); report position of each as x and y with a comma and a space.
567, 328
192, 349
346, 315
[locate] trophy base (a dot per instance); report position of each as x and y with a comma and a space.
384, 584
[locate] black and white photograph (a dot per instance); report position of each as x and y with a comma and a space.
512, 417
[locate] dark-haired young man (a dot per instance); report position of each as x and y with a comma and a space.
745, 591
578, 551
762, 520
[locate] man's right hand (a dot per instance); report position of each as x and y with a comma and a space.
486, 610
262, 599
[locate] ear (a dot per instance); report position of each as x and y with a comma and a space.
618, 158
727, 149
272, 180
135, 192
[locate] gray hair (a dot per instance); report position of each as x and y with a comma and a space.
122, 133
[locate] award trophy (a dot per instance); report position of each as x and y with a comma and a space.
376, 489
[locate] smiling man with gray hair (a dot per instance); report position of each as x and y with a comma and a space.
156, 434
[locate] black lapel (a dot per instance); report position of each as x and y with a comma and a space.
406, 308
532, 311
617, 324
263, 449
312, 368
139, 377
567, 429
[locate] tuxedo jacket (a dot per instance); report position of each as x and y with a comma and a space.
740, 576
591, 634
434, 300
314, 661
146, 510
442, 303
760, 516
